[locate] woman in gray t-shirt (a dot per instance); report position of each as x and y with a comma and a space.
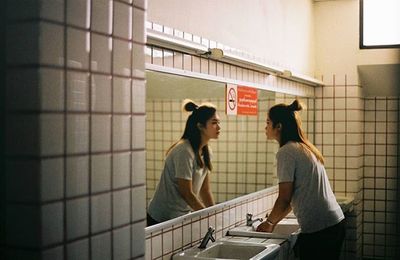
184, 184
303, 187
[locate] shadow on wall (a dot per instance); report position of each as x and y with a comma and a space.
380, 80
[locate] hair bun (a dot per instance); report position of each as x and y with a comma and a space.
189, 105
295, 106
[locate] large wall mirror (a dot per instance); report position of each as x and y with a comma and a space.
243, 158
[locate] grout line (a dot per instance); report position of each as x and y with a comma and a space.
65, 139
90, 140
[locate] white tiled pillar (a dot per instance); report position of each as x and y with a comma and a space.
74, 152
339, 136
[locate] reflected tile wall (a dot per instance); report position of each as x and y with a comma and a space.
75, 155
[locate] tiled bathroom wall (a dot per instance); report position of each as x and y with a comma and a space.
381, 177
359, 137
75, 122
339, 136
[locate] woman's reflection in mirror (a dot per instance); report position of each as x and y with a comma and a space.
184, 184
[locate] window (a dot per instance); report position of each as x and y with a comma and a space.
379, 24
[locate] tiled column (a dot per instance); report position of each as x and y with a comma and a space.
381, 170
75, 109
339, 136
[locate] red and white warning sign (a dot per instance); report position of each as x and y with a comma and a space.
241, 100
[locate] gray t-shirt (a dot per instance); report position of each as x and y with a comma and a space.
313, 201
167, 202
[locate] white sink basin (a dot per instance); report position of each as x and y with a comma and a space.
286, 229
231, 250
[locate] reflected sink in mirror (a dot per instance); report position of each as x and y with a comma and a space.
231, 250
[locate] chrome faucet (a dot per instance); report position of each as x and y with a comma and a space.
250, 221
207, 237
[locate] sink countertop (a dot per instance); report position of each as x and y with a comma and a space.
266, 241
345, 202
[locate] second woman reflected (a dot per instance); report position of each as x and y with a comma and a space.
185, 183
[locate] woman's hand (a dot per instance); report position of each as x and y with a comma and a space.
265, 227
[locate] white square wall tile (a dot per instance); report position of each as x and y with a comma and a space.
77, 133
138, 132
101, 173
101, 53
138, 203
101, 212
167, 242
177, 233
138, 96
77, 218
78, 13
102, 16
121, 243
196, 235
101, 93
121, 132
138, 167
139, 17
28, 171
51, 134
77, 91
52, 10
51, 54
21, 51
18, 10
77, 175
51, 89
54, 253
122, 57
187, 234
121, 169
52, 223
22, 81
78, 250
100, 133
122, 20
138, 60
78, 46
52, 179
22, 225
101, 246
122, 95
156, 246
147, 249
121, 207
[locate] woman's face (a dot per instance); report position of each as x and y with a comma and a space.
212, 128
271, 132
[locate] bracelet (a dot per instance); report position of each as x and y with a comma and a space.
269, 222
